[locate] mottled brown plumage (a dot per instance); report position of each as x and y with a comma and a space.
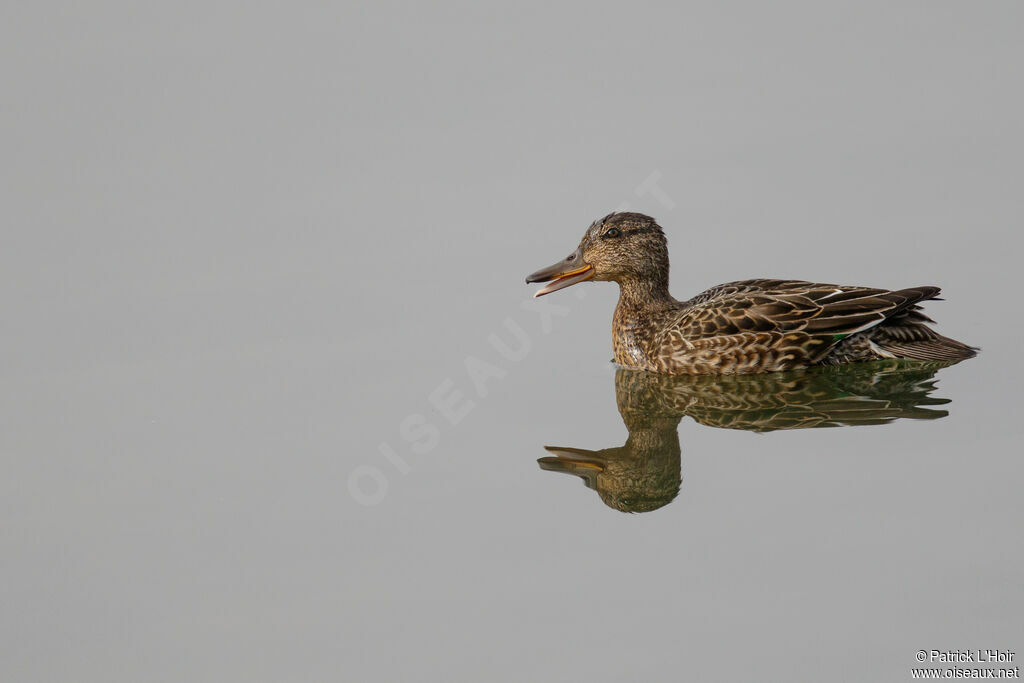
741, 327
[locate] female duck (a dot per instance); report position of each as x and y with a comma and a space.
746, 326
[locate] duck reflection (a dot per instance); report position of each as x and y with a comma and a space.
644, 473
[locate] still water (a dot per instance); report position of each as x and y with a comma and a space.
579, 522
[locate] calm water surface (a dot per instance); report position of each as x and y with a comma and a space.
210, 513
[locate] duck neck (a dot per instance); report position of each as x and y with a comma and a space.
641, 295
640, 303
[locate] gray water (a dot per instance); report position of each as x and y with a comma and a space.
255, 426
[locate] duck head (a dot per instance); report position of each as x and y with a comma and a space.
621, 247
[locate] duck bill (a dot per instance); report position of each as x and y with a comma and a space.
583, 463
563, 274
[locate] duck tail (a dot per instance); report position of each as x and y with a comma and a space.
907, 335
934, 348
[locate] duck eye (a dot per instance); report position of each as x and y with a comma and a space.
614, 232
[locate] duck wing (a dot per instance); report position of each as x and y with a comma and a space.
819, 310
773, 325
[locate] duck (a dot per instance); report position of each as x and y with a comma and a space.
748, 326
